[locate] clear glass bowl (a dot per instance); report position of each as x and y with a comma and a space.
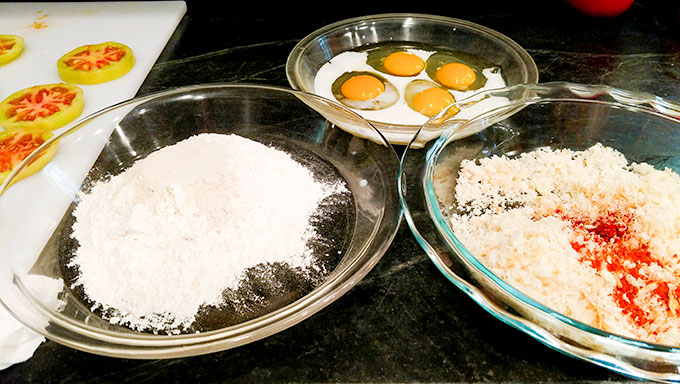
35, 212
643, 127
312, 52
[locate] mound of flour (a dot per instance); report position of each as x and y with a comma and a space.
176, 229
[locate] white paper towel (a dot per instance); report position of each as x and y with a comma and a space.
18, 343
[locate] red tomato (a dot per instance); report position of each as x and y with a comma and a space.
96, 63
48, 106
17, 144
601, 8
10, 48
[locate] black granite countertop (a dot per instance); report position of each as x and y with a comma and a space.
404, 322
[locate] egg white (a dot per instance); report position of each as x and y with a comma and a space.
399, 113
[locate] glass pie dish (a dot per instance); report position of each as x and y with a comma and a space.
643, 127
322, 45
36, 220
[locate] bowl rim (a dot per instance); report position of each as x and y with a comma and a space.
168, 346
296, 54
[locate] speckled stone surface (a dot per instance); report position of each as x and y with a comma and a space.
404, 322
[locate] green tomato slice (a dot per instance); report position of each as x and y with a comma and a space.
11, 47
17, 144
96, 63
45, 107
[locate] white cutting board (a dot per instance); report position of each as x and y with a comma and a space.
53, 29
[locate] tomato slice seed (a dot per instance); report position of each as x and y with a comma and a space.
6, 45
91, 58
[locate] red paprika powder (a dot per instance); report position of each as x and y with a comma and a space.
609, 242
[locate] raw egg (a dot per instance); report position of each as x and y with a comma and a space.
362, 87
457, 70
396, 60
426, 97
364, 90
403, 64
457, 76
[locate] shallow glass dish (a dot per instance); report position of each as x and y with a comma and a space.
316, 49
643, 127
35, 213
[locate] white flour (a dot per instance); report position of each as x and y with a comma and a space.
179, 227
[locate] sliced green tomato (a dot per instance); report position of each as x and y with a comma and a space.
17, 144
10, 48
45, 107
96, 63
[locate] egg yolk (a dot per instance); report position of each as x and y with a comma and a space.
457, 76
362, 87
432, 101
403, 64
